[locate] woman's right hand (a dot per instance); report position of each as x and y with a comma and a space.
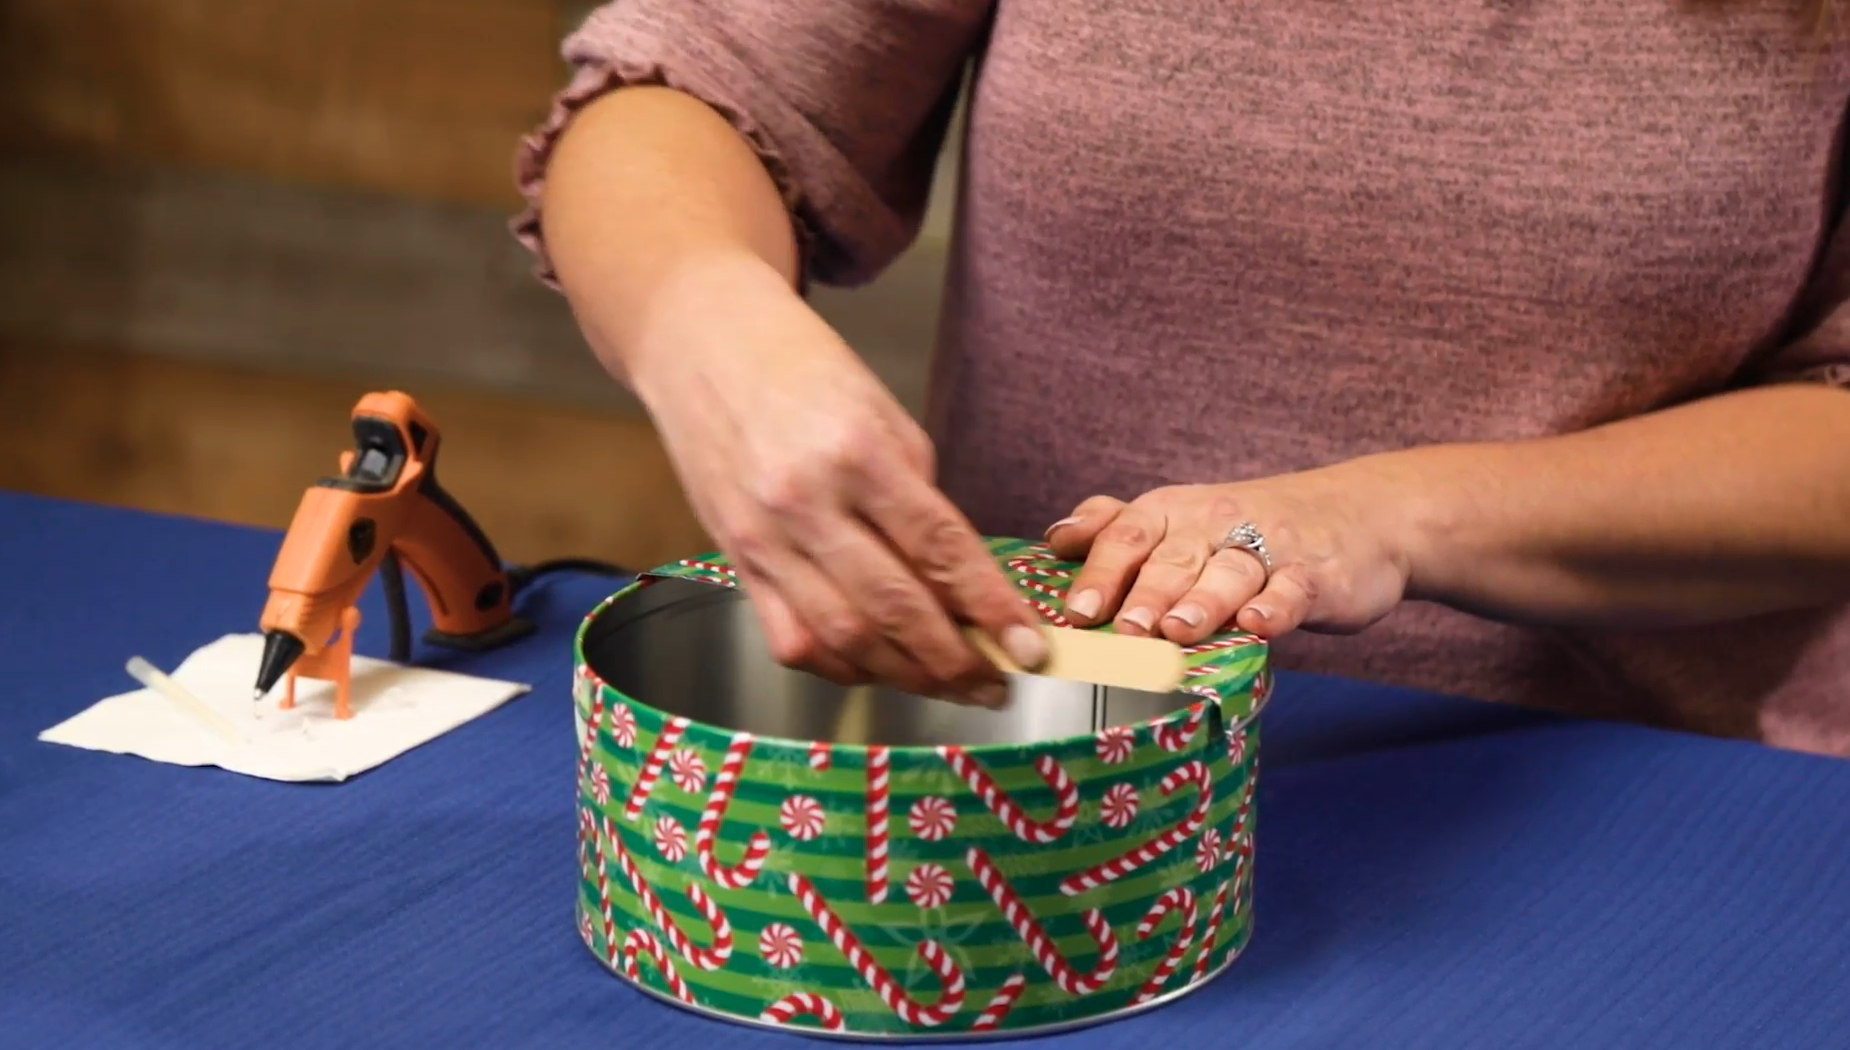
819, 487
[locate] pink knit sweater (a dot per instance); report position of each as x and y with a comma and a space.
1210, 241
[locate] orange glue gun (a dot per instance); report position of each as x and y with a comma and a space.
384, 510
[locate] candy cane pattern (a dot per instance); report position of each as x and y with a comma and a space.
1240, 641
1006, 809
590, 737
1048, 612
643, 940
1119, 806
586, 931
593, 848
1031, 933
1000, 1004
819, 755
801, 817
950, 976
1171, 737
705, 958
932, 818
1212, 933
1115, 744
1240, 840
725, 783
652, 766
622, 725
781, 946
1192, 772
687, 771
731, 575
929, 886
1031, 566
804, 1004
1041, 588
1181, 898
879, 774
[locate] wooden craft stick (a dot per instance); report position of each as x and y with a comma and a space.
1120, 661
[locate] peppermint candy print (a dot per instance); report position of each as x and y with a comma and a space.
929, 886
670, 840
1207, 851
585, 930
622, 725
781, 946
801, 817
1236, 745
1115, 744
687, 771
600, 785
1119, 806
932, 818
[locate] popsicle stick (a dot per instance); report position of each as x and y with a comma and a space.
176, 694
1120, 661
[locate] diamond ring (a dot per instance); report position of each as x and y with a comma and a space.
1247, 537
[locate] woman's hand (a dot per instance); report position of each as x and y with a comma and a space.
1158, 565
818, 485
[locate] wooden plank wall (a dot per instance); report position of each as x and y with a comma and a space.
416, 97
222, 220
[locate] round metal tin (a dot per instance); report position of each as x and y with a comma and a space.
763, 846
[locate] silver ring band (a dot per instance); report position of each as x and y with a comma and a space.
1247, 537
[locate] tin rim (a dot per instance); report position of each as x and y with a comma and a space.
580, 662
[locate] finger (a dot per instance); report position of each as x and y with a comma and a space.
833, 632
790, 642
897, 607
1228, 582
1173, 567
943, 548
1112, 562
1286, 602
1071, 537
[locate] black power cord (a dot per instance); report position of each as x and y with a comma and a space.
519, 577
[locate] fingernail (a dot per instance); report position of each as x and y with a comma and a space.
1260, 611
1061, 524
1189, 613
1025, 646
1142, 619
1084, 604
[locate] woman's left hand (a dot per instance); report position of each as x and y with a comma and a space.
1158, 565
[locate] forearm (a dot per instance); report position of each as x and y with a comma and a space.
1715, 510
649, 197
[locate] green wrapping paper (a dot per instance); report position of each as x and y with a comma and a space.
899, 892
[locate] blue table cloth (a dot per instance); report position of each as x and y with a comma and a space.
1431, 872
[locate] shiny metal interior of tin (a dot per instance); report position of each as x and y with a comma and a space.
696, 650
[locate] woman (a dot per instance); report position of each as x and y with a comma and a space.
1485, 346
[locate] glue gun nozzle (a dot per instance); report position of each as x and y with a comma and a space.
280, 650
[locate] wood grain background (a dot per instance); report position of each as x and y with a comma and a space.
221, 221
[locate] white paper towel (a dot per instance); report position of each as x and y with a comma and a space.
395, 708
